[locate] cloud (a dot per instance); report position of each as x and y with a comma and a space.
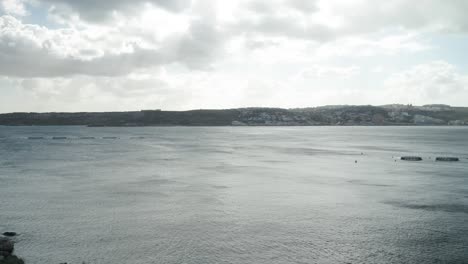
182, 54
432, 82
13, 7
98, 11
201, 45
306, 6
324, 21
34, 51
97, 93
322, 71
287, 18
373, 45
90, 86
283, 26
430, 15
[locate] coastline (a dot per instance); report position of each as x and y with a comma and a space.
319, 116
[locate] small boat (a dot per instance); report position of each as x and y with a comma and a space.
411, 158
109, 137
35, 137
59, 138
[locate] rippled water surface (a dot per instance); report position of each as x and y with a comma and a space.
235, 195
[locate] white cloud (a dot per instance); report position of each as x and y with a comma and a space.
320, 71
13, 7
98, 11
364, 16
98, 93
205, 53
433, 82
332, 20
36, 51
388, 45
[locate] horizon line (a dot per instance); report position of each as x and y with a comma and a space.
233, 108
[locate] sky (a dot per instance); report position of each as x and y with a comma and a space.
123, 55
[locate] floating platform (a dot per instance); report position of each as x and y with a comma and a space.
447, 159
35, 137
411, 158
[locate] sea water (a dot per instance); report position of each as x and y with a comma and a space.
235, 194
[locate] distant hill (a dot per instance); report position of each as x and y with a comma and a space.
359, 115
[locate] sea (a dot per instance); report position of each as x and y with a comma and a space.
263, 195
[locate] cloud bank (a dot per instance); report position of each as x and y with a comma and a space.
181, 54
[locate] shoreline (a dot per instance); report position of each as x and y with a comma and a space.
393, 115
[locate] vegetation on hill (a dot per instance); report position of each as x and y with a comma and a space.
325, 115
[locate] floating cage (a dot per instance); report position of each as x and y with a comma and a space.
411, 158
447, 159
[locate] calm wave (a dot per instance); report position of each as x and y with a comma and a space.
235, 194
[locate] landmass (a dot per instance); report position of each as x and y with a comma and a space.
7, 247
336, 115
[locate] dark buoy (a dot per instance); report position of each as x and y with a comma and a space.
411, 158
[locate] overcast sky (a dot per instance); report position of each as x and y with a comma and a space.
102, 55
